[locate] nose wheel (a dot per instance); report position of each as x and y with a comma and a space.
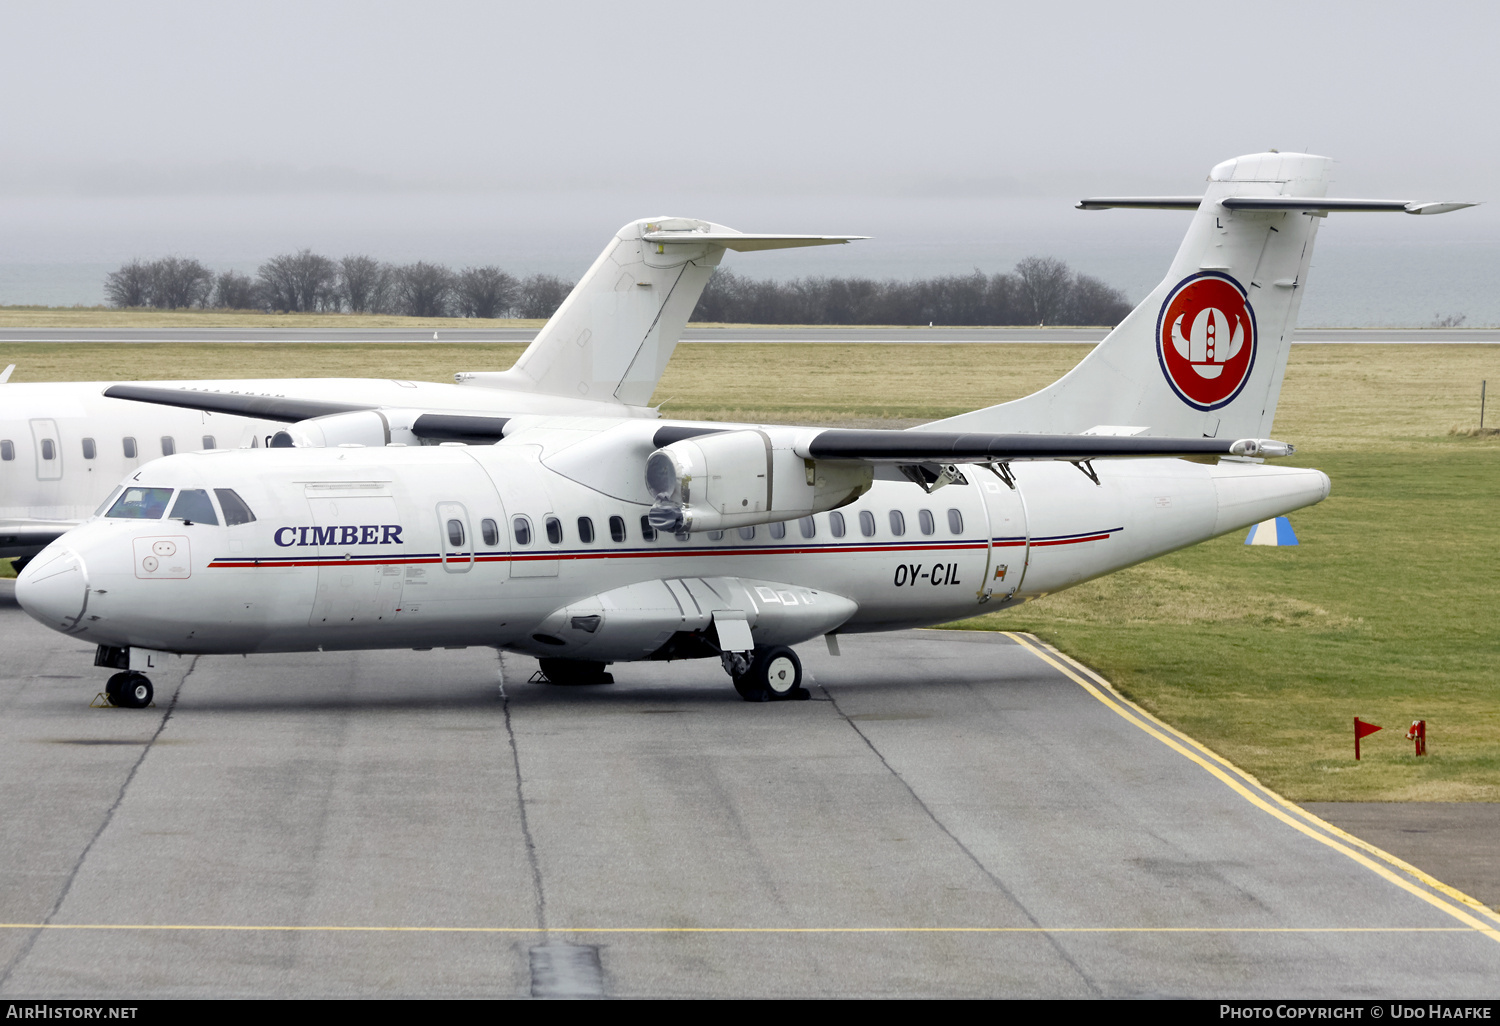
774, 675
130, 690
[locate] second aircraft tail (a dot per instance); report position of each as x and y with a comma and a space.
612, 337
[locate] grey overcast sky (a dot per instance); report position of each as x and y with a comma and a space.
870, 97
131, 127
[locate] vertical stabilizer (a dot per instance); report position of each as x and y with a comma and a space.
612, 337
1205, 352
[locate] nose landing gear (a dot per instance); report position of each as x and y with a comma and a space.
130, 690
771, 675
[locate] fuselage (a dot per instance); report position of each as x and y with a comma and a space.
64, 445
458, 545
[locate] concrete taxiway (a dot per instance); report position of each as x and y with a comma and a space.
952, 814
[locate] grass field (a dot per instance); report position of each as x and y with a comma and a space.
1389, 609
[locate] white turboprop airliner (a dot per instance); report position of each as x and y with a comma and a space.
62, 446
585, 541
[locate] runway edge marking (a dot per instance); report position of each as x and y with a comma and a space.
1226, 771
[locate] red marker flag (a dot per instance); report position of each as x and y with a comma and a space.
1362, 729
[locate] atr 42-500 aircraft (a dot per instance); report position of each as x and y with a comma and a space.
62, 446
585, 541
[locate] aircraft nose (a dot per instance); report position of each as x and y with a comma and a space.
54, 589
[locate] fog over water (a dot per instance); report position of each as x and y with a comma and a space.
958, 135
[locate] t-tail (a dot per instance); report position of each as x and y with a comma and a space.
1205, 353
612, 337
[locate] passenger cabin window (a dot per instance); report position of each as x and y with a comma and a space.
898, 523
617, 529
808, 527
867, 523
554, 530
778, 530
168, 447
49, 449
141, 504
129, 444
236, 510
925, 521
585, 530
521, 528
955, 521
456, 533
7, 449
746, 533
648, 533
715, 535
193, 507
836, 524
89, 452
208, 442
491, 532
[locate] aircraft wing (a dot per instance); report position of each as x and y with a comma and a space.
261, 407
23, 537
434, 427
954, 447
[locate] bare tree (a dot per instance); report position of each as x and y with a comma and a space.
540, 295
301, 282
1093, 302
1045, 283
130, 285
423, 289
236, 291
178, 283
483, 292
363, 284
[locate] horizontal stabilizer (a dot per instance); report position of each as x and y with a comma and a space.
1307, 204
1140, 203
744, 243
261, 407
953, 447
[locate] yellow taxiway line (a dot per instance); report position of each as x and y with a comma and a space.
1449, 899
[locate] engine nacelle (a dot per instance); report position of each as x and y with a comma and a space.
373, 428
739, 478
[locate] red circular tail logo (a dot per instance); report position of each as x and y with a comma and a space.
1206, 339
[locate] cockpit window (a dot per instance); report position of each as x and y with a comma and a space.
141, 504
107, 502
236, 510
193, 506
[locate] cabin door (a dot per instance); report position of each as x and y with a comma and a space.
356, 586
48, 449
1010, 536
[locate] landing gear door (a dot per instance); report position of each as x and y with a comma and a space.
1010, 537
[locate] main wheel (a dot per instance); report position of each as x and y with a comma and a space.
575, 671
135, 692
775, 674
114, 687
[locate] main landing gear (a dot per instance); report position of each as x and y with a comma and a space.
130, 689
768, 674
